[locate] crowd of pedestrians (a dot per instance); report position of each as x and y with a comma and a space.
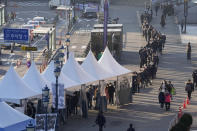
166, 92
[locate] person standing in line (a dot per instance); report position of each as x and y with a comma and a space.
131, 128
100, 120
189, 87
189, 50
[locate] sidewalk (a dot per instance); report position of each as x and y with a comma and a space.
191, 36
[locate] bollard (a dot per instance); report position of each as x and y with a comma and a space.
179, 113
184, 105
188, 101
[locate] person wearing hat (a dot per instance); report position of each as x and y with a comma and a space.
189, 87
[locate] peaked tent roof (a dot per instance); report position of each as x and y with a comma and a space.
91, 66
75, 71
110, 64
12, 119
48, 75
33, 79
12, 87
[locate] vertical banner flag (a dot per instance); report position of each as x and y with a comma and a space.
61, 99
105, 24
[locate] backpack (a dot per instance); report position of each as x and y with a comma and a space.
188, 87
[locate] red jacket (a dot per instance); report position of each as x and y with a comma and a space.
167, 98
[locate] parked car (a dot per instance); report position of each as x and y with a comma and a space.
28, 26
90, 12
35, 23
40, 19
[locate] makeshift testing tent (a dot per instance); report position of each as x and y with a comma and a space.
91, 66
123, 93
49, 75
11, 119
110, 64
75, 72
33, 79
13, 87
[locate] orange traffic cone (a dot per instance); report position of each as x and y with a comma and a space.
179, 113
187, 100
184, 105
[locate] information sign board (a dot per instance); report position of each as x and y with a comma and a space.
16, 35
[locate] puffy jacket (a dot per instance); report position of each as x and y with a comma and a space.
161, 97
167, 98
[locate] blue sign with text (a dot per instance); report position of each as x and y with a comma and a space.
16, 35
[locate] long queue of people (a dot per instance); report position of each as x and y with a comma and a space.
149, 55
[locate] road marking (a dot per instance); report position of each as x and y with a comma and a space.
29, 3
83, 47
73, 47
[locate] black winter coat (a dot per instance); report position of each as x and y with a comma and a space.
161, 97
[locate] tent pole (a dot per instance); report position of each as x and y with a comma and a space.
117, 99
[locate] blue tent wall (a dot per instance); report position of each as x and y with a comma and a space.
18, 126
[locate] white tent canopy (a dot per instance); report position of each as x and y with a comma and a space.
76, 72
33, 79
12, 87
91, 66
48, 74
11, 119
110, 64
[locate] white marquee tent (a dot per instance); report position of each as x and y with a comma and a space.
48, 74
91, 66
13, 87
75, 72
11, 119
110, 64
33, 79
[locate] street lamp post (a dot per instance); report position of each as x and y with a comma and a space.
30, 127
67, 45
69, 19
185, 13
57, 73
61, 58
45, 101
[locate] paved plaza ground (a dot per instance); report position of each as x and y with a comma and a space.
144, 112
